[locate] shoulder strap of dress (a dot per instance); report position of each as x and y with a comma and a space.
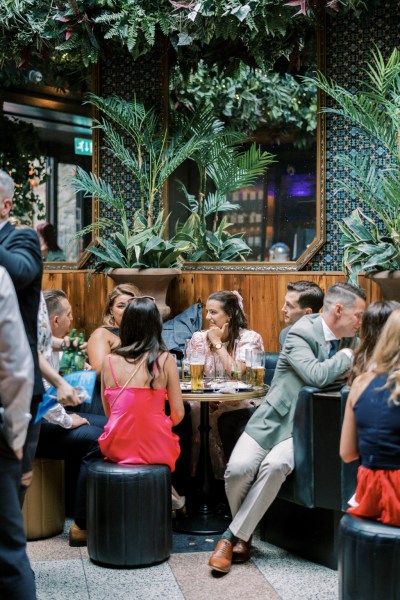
112, 371
131, 376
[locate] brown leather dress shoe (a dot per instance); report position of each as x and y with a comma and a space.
221, 558
77, 536
241, 551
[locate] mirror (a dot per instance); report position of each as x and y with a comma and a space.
283, 214
63, 126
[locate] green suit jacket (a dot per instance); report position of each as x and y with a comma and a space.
303, 361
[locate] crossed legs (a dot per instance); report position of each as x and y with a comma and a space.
253, 478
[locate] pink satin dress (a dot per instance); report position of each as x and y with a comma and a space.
138, 431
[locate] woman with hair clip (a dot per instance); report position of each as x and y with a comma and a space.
371, 429
137, 377
224, 342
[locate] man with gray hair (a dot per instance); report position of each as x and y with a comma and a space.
317, 352
20, 255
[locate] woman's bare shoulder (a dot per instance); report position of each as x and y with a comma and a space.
359, 385
102, 333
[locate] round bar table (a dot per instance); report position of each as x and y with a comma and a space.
204, 520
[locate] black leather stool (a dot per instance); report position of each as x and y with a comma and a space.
129, 514
369, 560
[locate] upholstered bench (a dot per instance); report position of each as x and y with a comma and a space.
369, 560
43, 510
128, 514
305, 517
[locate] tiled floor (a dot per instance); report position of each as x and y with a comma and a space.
64, 573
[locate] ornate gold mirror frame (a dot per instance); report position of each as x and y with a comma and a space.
320, 205
249, 266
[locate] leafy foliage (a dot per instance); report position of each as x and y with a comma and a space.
135, 137
22, 157
74, 34
371, 243
130, 245
223, 167
251, 101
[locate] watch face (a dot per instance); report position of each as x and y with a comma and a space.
218, 346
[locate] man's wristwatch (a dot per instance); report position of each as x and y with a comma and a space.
218, 346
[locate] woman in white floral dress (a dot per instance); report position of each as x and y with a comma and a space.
225, 343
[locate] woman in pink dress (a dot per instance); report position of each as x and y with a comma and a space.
136, 379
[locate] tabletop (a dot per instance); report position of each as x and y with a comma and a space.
209, 396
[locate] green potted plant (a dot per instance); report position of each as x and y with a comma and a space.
146, 151
150, 154
223, 167
371, 234
135, 137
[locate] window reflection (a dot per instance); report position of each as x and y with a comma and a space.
280, 208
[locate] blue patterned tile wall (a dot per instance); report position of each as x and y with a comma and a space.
121, 75
349, 43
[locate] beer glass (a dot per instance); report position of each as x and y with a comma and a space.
249, 372
257, 368
236, 363
197, 360
185, 365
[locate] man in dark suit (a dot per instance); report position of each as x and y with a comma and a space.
317, 352
20, 255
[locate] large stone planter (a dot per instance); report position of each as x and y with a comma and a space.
151, 282
389, 282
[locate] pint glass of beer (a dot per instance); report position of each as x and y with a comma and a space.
257, 368
197, 361
185, 365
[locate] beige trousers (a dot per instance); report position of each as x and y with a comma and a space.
253, 478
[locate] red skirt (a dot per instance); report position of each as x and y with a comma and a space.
378, 495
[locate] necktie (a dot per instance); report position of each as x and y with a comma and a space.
334, 348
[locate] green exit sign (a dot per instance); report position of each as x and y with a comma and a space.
83, 146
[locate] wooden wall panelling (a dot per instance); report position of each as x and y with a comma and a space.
263, 294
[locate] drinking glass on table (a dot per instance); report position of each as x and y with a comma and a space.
185, 371
257, 368
197, 360
249, 372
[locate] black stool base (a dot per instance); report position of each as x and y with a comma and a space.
199, 524
129, 514
369, 560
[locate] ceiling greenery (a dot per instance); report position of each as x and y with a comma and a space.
71, 35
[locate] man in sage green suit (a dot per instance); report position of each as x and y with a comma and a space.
317, 352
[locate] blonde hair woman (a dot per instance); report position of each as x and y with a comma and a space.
106, 337
371, 430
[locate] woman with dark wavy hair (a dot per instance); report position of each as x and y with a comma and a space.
137, 377
224, 344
